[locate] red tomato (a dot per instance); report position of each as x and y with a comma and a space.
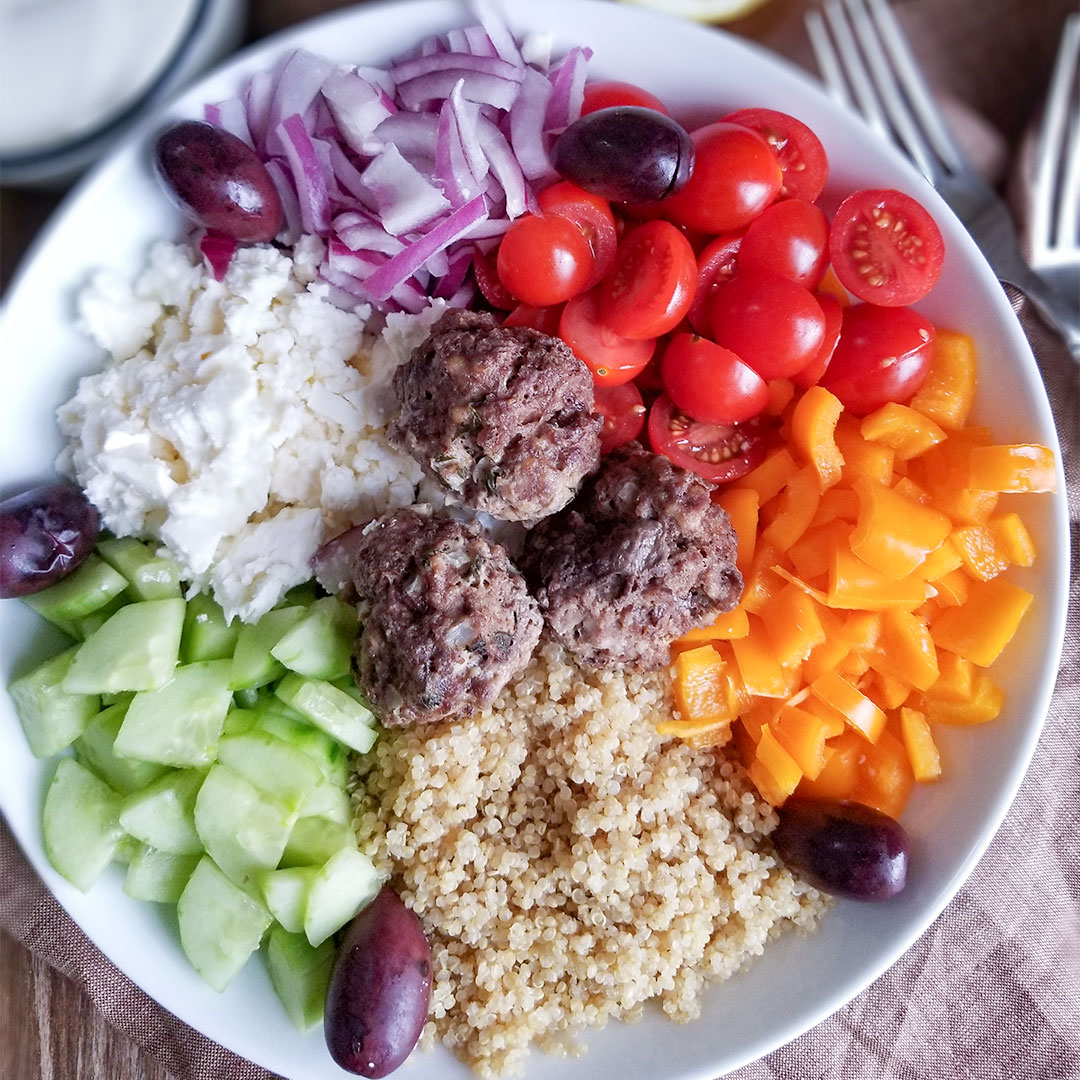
487, 280
885, 248
771, 323
718, 452
717, 263
710, 383
544, 260
651, 286
623, 411
591, 214
735, 176
801, 155
544, 319
883, 355
789, 238
833, 311
603, 95
612, 358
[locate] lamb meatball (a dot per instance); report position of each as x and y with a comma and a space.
640, 557
502, 416
445, 617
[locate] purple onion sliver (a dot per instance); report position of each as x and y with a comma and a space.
308, 175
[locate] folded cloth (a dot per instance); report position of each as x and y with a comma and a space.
991, 990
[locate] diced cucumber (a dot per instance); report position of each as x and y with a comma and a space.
285, 893
303, 595
300, 974
180, 723
94, 748
239, 721
339, 889
84, 626
207, 636
127, 847
329, 708
320, 644
150, 576
314, 840
272, 765
278, 719
51, 717
243, 829
86, 589
158, 875
328, 800
253, 663
135, 649
162, 814
80, 823
220, 924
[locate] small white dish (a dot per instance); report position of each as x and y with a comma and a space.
115, 214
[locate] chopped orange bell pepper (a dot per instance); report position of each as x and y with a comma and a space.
854, 706
982, 557
758, 666
792, 625
919, 742
762, 581
812, 554
836, 504
943, 560
906, 649
885, 777
844, 756
774, 770
731, 624
956, 677
888, 693
741, 505
862, 458
894, 534
1012, 538
771, 475
1024, 467
802, 735
781, 391
908, 432
813, 428
943, 472
796, 506
985, 623
855, 584
948, 391
982, 705
700, 691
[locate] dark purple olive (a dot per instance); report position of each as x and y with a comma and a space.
219, 181
45, 533
626, 154
844, 848
380, 989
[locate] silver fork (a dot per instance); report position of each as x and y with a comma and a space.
867, 66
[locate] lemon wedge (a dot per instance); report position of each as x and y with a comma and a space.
708, 11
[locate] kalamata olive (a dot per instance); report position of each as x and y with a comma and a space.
844, 848
45, 533
625, 153
218, 180
380, 989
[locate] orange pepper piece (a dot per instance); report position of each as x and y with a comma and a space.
758, 666
812, 554
919, 742
792, 625
802, 735
1024, 467
894, 534
844, 755
885, 778
855, 584
862, 458
797, 503
906, 650
853, 705
742, 506
982, 704
762, 581
813, 431
1012, 538
771, 475
980, 552
948, 391
943, 472
900, 427
774, 770
731, 624
985, 623
701, 693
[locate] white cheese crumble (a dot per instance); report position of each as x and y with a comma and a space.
240, 423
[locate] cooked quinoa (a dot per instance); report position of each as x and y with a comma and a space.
568, 863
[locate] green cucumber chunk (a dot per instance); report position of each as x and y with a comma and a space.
253, 663
86, 589
331, 709
51, 717
159, 876
320, 645
180, 723
244, 830
272, 765
80, 823
162, 814
135, 649
150, 576
221, 925
207, 636
95, 748
340, 888
300, 975
285, 894
315, 840
276, 718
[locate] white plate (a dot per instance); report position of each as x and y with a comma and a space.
112, 218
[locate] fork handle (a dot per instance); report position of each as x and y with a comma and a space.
1052, 309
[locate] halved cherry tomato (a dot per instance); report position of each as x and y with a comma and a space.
623, 411
883, 355
801, 155
603, 95
544, 319
769, 322
790, 238
833, 311
718, 452
612, 358
735, 176
487, 280
717, 263
651, 286
544, 260
885, 247
591, 214
710, 383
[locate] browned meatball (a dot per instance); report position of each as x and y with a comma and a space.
502, 416
445, 617
641, 556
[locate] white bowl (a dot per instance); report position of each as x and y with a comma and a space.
118, 210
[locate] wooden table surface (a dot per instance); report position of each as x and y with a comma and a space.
48, 1028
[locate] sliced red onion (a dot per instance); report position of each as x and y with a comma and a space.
457, 270
478, 42
357, 105
402, 196
347, 175
286, 187
218, 249
527, 126
495, 90
567, 89
491, 18
504, 166
360, 232
257, 97
307, 171
414, 134
300, 76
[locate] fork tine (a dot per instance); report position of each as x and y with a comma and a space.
828, 63
918, 92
